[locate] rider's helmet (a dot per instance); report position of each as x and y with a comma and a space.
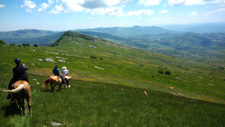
56, 66
17, 61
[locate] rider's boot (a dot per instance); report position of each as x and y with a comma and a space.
9, 96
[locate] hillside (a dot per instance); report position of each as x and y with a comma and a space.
109, 85
112, 63
198, 47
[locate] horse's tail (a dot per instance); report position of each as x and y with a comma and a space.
19, 88
46, 83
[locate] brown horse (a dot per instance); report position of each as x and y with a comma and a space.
21, 90
54, 81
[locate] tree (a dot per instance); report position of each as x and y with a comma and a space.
27, 44
35, 45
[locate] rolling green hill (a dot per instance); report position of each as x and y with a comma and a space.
108, 86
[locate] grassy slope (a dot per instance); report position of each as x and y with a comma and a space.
102, 98
101, 104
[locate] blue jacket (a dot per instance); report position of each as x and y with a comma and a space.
56, 71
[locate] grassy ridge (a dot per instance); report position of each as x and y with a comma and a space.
108, 86
117, 64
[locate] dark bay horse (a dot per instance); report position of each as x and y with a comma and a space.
55, 80
21, 90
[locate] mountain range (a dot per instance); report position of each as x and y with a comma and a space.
192, 41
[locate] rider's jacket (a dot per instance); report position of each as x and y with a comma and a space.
19, 72
56, 71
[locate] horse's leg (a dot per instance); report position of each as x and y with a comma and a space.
21, 105
60, 86
28, 98
68, 83
52, 87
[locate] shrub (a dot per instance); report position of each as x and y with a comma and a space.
35, 45
93, 57
27, 44
161, 71
167, 72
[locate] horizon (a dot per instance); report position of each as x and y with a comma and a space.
64, 15
159, 26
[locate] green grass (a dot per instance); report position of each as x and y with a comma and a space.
100, 104
115, 95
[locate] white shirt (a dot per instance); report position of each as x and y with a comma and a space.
65, 71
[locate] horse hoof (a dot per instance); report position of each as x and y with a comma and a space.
69, 86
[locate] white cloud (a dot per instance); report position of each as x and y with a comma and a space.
113, 11
50, 1
2, 6
215, 12
114, 2
216, 1
29, 5
68, 6
44, 6
175, 2
140, 13
163, 11
193, 13
89, 18
103, 7
91, 4
194, 2
57, 9
149, 2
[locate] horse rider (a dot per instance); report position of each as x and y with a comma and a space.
65, 71
19, 73
56, 72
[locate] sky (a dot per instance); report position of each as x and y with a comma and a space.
61, 15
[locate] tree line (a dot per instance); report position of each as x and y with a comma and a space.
24, 44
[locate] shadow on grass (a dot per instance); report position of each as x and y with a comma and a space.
11, 109
48, 90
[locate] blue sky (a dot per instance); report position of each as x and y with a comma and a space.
60, 15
